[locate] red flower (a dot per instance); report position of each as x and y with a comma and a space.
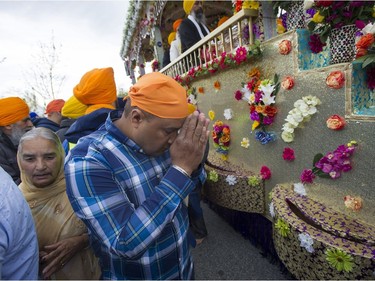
287, 83
307, 176
265, 173
324, 3
285, 47
335, 80
288, 154
238, 95
336, 122
366, 41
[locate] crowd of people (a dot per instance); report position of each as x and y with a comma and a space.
107, 187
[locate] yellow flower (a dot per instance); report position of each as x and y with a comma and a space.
250, 4
211, 115
224, 157
279, 26
255, 125
317, 18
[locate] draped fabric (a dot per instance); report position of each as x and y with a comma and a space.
55, 220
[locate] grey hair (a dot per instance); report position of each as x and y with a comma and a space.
44, 133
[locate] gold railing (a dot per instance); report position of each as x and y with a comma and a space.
226, 38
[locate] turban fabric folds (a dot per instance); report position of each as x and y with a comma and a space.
97, 87
171, 37
176, 24
13, 109
73, 108
188, 5
55, 106
159, 95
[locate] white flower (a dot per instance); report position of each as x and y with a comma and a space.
192, 99
228, 114
231, 179
272, 209
306, 242
370, 28
245, 142
287, 137
246, 94
287, 127
267, 99
300, 188
307, 4
267, 89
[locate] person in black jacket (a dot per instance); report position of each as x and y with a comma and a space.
193, 28
14, 123
53, 119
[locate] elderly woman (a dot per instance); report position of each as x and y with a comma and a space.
62, 237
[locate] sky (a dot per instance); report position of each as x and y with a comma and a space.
89, 32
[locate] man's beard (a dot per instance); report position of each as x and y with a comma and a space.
199, 16
17, 133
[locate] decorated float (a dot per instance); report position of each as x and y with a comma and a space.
292, 108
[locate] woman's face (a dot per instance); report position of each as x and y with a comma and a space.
40, 161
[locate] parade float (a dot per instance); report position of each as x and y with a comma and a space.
292, 109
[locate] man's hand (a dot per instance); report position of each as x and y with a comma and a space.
188, 148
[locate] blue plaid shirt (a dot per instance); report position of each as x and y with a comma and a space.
132, 205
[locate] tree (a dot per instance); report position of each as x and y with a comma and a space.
43, 81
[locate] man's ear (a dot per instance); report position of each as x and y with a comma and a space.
137, 117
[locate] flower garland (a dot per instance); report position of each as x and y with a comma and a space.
221, 138
301, 113
260, 95
332, 165
224, 61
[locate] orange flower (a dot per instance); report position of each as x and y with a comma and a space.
285, 47
288, 83
226, 130
259, 108
217, 85
224, 139
353, 203
254, 73
335, 80
335, 122
365, 41
201, 90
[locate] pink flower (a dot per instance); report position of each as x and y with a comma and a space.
265, 173
353, 203
335, 79
285, 47
288, 83
288, 154
335, 122
241, 54
238, 95
307, 176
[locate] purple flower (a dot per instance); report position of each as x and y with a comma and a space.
267, 120
254, 116
316, 44
307, 176
356, 3
310, 13
360, 24
257, 96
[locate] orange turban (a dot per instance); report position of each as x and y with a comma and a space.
171, 37
73, 108
176, 24
159, 95
54, 106
97, 87
222, 20
13, 109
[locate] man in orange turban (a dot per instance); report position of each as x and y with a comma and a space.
53, 113
133, 174
14, 122
97, 91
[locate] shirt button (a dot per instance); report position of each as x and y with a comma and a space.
158, 176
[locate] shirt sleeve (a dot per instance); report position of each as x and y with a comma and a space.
101, 202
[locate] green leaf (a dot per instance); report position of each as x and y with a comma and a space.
317, 157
